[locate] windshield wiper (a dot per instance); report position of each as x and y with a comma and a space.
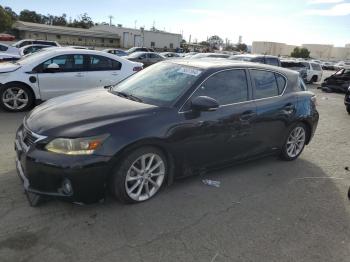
128, 96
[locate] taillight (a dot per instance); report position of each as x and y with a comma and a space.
137, 68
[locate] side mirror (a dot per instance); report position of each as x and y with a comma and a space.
52, 68
204, 103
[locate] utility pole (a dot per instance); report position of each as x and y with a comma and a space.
110, 20
135, 23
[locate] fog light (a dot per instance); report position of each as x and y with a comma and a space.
67, 187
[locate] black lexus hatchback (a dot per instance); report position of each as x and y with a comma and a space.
170, 120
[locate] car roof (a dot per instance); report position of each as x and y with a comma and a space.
227, 64
254, 55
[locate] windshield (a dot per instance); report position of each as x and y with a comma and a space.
161, 84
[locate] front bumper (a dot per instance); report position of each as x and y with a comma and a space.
44, 173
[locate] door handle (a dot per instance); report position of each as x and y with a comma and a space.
115, 74
247, 115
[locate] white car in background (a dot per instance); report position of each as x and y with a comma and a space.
8, 49
54, 72
342, 65
26, 42
5, 57
314, 72
29, 49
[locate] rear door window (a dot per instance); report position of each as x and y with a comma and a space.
265, 83
101, 63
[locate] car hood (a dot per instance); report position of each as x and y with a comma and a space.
8, 67
80, 113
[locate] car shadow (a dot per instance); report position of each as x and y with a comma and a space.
266, 208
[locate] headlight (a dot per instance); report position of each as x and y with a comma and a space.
76, 146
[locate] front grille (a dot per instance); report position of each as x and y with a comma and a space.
28, 138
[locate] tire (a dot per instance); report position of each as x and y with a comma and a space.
313, 80
133, 184
287, 152
348, 109
16, 98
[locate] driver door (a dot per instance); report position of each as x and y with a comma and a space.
227, 133
69, 78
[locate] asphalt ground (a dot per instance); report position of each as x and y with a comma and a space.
264, 210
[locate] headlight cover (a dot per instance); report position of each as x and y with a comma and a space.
76, 146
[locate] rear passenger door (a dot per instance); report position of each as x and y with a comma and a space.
275, 110
104, 71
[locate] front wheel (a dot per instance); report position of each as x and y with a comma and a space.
295, 142
140, 175
16, 98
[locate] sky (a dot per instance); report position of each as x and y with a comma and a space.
292, 21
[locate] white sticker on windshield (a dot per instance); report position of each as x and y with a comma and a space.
189, 71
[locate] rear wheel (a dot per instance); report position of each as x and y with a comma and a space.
16, 98
140, 175
313, 80
295, 142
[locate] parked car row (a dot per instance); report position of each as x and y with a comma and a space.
58, 71
23, 47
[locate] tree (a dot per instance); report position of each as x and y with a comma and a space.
30, 16
83, 21
204, 43
215, 42
11, 13
60, 20
300, 53
242, 47
5, 20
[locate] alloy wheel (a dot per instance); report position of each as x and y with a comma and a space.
15, 98
296, 141
145, 177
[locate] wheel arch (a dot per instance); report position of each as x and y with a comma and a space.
151, 142
309, 130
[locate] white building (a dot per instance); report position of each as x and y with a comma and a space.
317, 51
130, 37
